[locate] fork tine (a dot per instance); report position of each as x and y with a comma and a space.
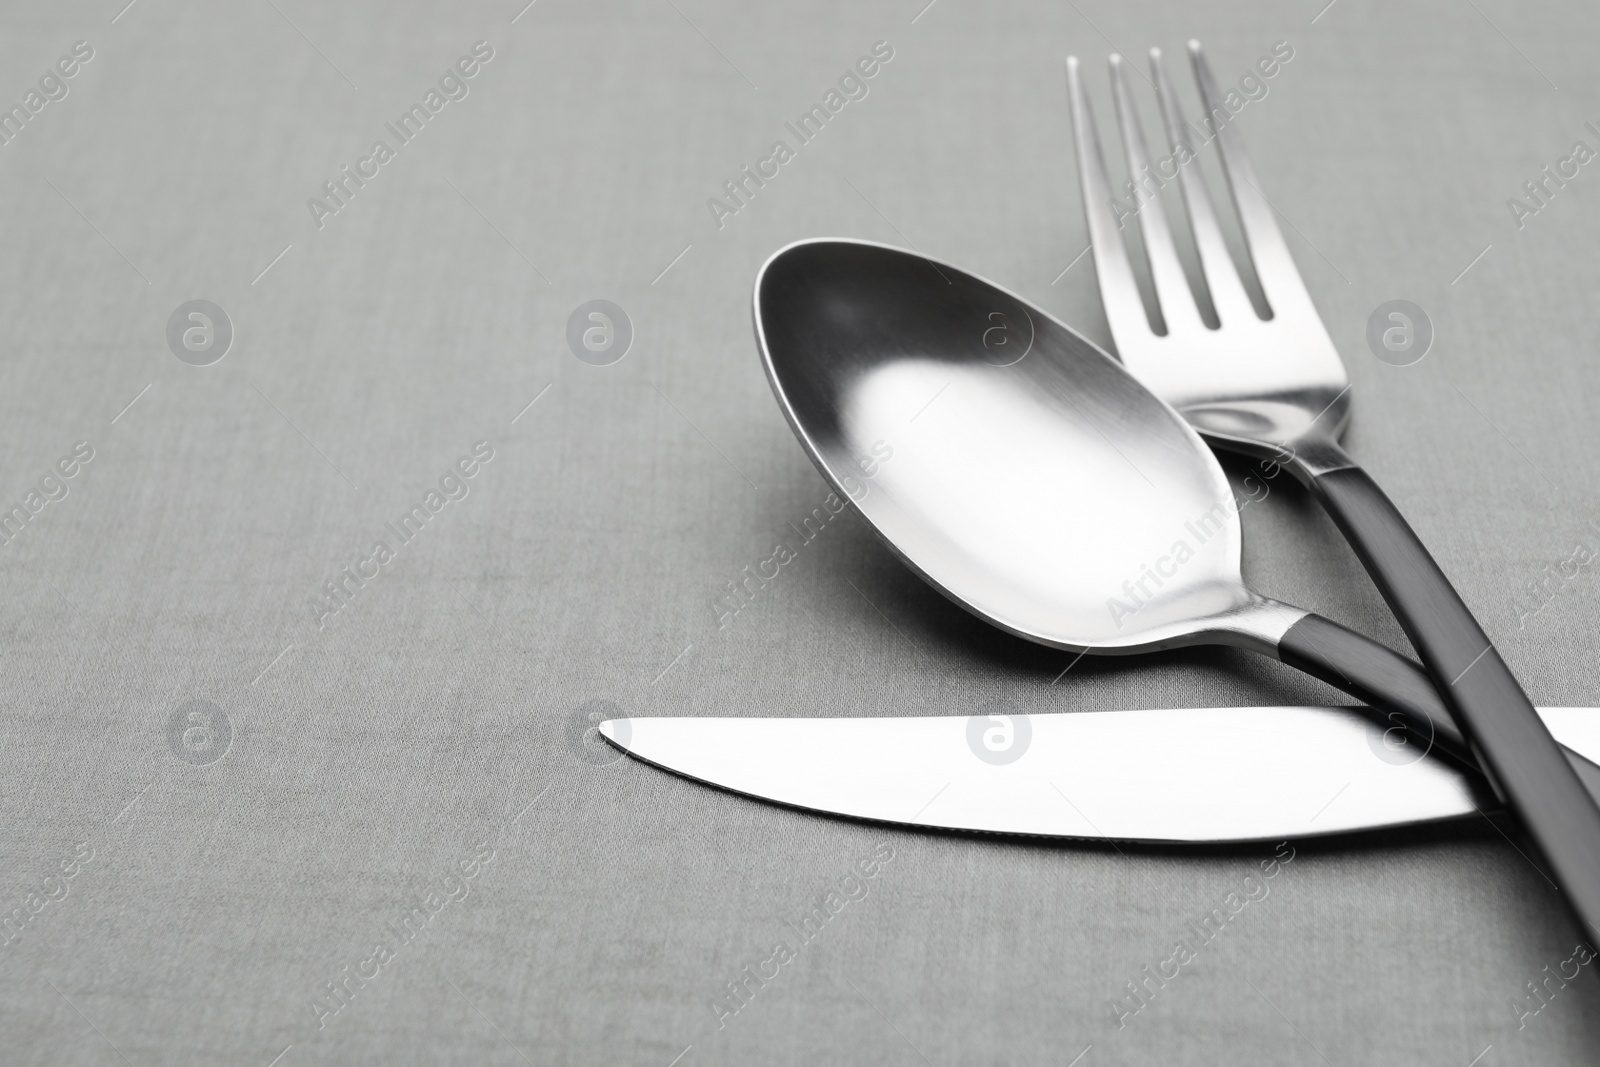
1119, 293
1173, 295
1228, 295
1275, 269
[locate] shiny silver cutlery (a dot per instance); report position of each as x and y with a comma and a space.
1193, 776
1276, 387
1033, 480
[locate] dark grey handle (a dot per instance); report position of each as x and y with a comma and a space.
1500, 723
1383, 678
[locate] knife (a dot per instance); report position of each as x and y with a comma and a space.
1178, 776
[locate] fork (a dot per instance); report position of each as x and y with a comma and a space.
1276, 388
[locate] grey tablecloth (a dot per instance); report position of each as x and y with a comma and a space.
259, 809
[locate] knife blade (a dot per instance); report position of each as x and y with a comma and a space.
1201, 775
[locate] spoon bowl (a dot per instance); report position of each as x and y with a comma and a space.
1032, 479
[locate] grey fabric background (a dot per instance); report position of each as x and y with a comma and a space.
371, 755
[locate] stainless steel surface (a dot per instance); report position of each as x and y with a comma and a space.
1033, 479
1254, 384
1183, 775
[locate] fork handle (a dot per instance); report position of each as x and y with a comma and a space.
1520, 758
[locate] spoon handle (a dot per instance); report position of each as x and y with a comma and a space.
1399, 691
1523, 762
1376, 675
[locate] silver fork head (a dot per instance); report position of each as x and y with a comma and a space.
1249, 384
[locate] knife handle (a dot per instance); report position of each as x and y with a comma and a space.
1513, 747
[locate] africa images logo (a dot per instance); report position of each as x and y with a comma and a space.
742, 188
339, 190
998, 735
199, 733
52, 87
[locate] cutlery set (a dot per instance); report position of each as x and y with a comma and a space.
1069, 497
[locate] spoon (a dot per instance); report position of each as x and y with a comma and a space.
1032, 479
